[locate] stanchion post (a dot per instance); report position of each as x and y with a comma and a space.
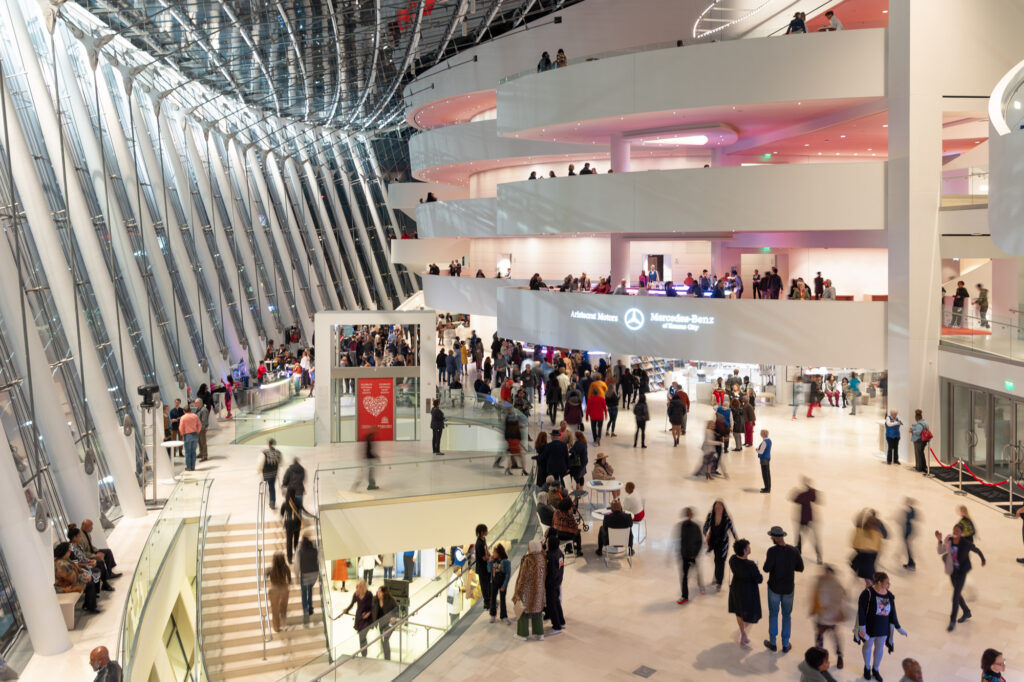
960, 478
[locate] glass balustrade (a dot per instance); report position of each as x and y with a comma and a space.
964, 188
995, 334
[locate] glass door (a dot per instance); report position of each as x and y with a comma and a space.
980, 434
960, 437
1005, 426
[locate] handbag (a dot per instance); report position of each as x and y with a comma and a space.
926, 435
519, 609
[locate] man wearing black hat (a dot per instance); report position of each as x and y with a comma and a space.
781, 565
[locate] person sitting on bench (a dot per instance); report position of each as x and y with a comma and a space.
69, 578
108, 555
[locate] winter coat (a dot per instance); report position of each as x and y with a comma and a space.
530, 583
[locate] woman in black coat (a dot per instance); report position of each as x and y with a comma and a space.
553, 582
383, 614
744, 593
717, 527
626, 383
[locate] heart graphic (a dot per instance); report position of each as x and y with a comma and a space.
375, 404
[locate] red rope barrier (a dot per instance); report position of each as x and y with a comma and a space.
937, 461
990, 485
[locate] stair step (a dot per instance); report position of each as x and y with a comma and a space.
310, 640
215, 602
228, 641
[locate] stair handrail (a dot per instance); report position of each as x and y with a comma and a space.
327, 618
204, 527
261, 574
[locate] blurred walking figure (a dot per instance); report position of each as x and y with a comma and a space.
867, 542
955, 551
805, 500
689, 550
280, 579
828, 607
909, 516
371, 458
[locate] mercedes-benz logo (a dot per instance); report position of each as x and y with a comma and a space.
634, 319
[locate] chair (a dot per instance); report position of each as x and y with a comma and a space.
641, 529
618, 545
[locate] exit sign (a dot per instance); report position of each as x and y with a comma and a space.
1008, 385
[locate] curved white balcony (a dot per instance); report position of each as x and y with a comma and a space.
1006, 162
417, 254
466, 295
623, 93
451, 155
845, 334
828, 196
462, 218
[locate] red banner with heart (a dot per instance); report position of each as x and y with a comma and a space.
375, 408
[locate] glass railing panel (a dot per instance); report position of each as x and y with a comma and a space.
964, 187
995, 335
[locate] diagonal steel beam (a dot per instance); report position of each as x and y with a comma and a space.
460, 14
487, 22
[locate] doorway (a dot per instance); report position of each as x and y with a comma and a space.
656, 269
983, 428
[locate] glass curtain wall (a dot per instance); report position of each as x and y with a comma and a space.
35, 281
12, 623
302, 212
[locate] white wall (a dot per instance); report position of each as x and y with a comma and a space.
406, 195
845, 334
462, 218
586, 29
987, 372
417, 254
553, 258
848, 196
485, 183
465, 295
854, 272
474, 142
846, 64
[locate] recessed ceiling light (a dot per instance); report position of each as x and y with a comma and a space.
885, 11
843, 137
885, 125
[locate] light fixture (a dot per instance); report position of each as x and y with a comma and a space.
694, 140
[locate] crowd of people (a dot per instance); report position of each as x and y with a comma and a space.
371, 345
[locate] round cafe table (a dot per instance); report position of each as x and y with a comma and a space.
599, 514
604, 489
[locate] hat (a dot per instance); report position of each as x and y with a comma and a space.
777, 532
601, 455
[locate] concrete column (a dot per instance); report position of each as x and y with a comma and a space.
26, 552
619, 246
913, 188
619, 147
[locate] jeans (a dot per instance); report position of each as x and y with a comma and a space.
203, 454
272, 490
982, 312
641, 434
596, 425
957, 319
878, 644
498, 598
368, 575
385, 640
892, 451
291, 537
191, 441
774, 602
307, 598
958, 578
613, 414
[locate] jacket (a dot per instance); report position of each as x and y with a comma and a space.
436, 418
676, 411
641, 412
892, 427
308, 559
295, 478
557, 454
554, 391
380, 613
270, 462
749, 415
603, 471
530, 583
690, 539
809, 674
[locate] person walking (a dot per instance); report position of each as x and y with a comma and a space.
828, 608
993, 664
597, 410
892, 437
805, 500
383, 618
876, 615
553, 395
738, 424
749, 419
909, 516
294, 479
529, 592
717, 527
291, 515
436, 427
744, 593
270, 463
482, 556
781, 564
367, 563
955, 551
578, 459
981, 300
204, 420
690, 542
627, 385
279, 580
676, 412
309, 573
642, 415
611, 400
764, 456
363, 601
499, 570
555, 561
189, 426
867, 543
854, 392
920, 434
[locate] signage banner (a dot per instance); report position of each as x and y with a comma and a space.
375, 408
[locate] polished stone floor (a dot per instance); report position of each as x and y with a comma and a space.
621, 618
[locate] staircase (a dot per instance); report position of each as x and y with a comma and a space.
232, 638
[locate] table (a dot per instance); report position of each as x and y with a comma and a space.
603, 488
599, 514
169, 447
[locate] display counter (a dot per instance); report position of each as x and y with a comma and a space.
273, 394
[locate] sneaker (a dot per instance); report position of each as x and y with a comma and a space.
555, 631
952, 624
794, 418
373, 487
912, 567
769, 646
765, 490
494, 619
524, 639
682, 600
1021, 560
